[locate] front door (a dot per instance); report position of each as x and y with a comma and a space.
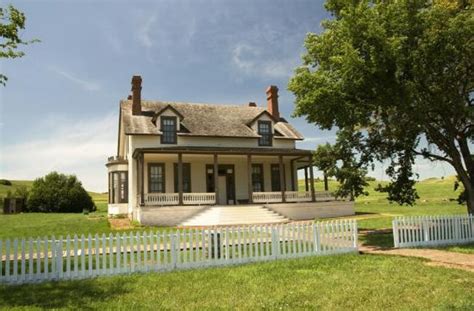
222, 182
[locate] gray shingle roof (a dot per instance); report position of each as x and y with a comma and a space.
201, 120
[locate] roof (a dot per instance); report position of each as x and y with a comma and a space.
201, 120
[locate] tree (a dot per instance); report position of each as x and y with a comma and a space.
324, 159
399, 76
11, 22
59, 193
348, 173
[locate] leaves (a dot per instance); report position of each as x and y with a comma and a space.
11, 22
392, 74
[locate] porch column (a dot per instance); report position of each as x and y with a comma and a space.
216, 177
311, 179
282, 179
292, 169
249, 175
180, 178
142, 179
306, 186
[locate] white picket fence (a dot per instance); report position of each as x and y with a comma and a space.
433, 230
30, 261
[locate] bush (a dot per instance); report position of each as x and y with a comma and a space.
5, 182
59, 193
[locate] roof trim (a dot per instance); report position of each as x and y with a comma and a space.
224, 150
260, 114
158, 113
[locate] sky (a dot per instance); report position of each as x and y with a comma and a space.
59, 109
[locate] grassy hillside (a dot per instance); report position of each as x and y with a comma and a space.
436, 197
15, 184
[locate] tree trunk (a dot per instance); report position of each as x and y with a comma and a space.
326, 187
469, 188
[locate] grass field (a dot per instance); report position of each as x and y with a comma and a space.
344, 282
359, 282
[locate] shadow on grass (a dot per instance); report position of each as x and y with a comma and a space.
82, 294
365, 213
380, 240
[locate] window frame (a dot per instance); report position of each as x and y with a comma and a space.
175, 136
116, 182
275, 179
265, 136
175, 172
262, 177
162, 165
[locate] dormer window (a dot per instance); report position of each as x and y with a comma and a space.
169, 130
265, 131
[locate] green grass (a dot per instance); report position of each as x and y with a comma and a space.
345, 282
464, 249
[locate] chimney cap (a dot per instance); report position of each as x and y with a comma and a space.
252, 104
129, 97
136, 78
272, 88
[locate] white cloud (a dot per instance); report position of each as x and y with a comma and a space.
87, 85
144, 35
253, 60
78, 147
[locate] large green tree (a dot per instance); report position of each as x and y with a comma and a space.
12, 21
399, 77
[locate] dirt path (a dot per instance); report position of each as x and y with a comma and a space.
436, 257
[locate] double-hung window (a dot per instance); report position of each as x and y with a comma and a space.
186, 177
257, 177
265, 132
118, 187
275, 176
169, 130
156, 177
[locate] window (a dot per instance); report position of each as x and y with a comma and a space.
118, 187
276, 185
186, 177
265, 131
257, 177
156, 177
168, 128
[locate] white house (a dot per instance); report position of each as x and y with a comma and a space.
200, 164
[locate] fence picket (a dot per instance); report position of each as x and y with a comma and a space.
432, 230
145, 251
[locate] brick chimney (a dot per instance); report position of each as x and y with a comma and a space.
272, 101
136, 95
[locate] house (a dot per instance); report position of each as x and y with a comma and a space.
195, 164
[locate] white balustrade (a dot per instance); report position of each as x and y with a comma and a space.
324, 196
266, 197
199, 198
297, 196
161, 199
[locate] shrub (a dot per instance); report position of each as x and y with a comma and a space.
5, 182
59, 193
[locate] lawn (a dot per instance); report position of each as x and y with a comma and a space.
336, 282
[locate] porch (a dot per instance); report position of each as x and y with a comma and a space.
179, 176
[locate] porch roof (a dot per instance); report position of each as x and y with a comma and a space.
224, 150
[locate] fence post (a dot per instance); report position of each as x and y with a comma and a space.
356, 235
59, 259
173, 251
426, 233
395, 233
316, 238
275, 243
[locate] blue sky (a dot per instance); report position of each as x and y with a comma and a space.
59, 109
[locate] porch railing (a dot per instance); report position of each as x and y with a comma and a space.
296, 196
199, 198
266, 197
324, 196
291, 196
196, 198
161, 199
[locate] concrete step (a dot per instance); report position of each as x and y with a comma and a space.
234, 215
